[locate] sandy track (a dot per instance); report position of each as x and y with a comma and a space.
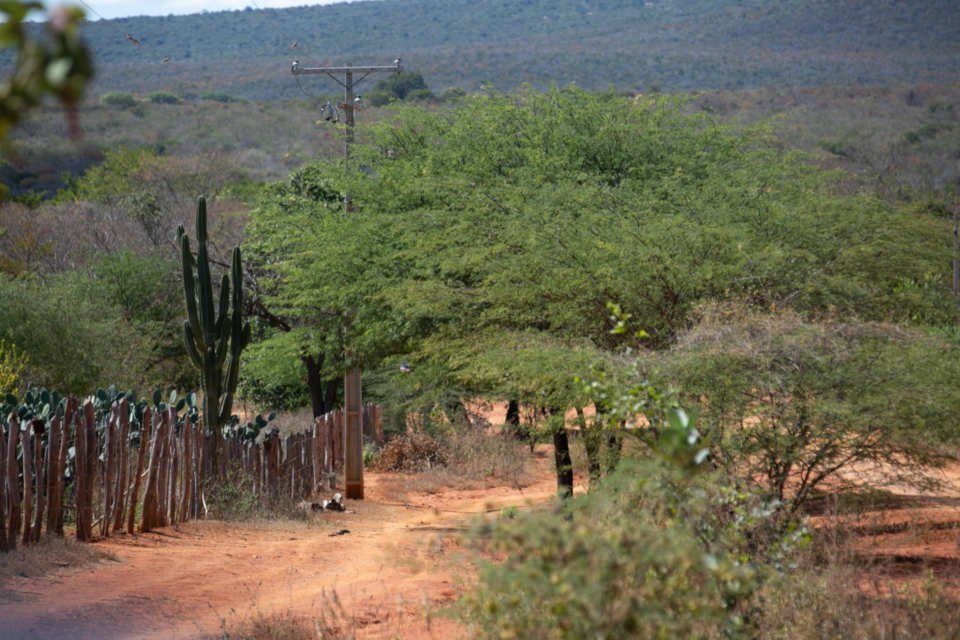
397, 567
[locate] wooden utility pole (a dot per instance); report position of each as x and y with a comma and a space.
352, 382
348, 83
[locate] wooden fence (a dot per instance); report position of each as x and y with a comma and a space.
88, 466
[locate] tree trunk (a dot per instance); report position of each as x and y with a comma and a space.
591, 443
513, 413
561, 457
614, 448
561, 454
315, 384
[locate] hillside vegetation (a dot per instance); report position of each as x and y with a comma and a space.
661, 44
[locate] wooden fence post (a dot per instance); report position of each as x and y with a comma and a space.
53, 456
147, 520
69, 421
162, 469
173, 468
13, 488
199, 500
40, 459
186, 449
3, 488
84, 471
106, 477
146, 424
27, 462
123, 493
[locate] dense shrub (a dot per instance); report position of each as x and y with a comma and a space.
217, 96
119, 99
410, 452
658, 553
792, 403
164, 97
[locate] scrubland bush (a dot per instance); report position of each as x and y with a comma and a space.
792, 403
831, 603
410, 452
164, 97
455, 455
118, 99
657, 553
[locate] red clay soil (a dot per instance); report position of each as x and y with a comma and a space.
909, 535
393, 574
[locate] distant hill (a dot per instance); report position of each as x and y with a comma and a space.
628, 44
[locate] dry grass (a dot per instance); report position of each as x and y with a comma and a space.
846, 601
232, 499
277, 626
836, 590
332, 622
49, 555
460, 458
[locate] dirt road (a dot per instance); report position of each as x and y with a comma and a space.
394, 571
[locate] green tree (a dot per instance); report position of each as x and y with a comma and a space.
72, 337
516, 219
144, 290
795, 403
406, 85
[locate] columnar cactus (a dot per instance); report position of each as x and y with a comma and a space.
213, 340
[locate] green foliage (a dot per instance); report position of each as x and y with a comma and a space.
58, 66
214, 339
217, 96
488, 238
164, 97
118, 99
273, 374
659, 552
791, 404
12, 364
73, 340
143, 290
406, 85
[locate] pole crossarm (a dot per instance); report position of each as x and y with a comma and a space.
297, 70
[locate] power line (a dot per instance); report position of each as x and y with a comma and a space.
92, 10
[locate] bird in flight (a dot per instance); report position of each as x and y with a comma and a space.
133, 40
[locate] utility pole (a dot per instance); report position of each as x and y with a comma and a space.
349, 99
352, 382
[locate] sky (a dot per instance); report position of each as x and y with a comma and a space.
97, 9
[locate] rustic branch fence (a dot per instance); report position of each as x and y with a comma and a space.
88, 467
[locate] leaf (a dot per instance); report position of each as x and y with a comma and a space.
677, 419
58, 71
